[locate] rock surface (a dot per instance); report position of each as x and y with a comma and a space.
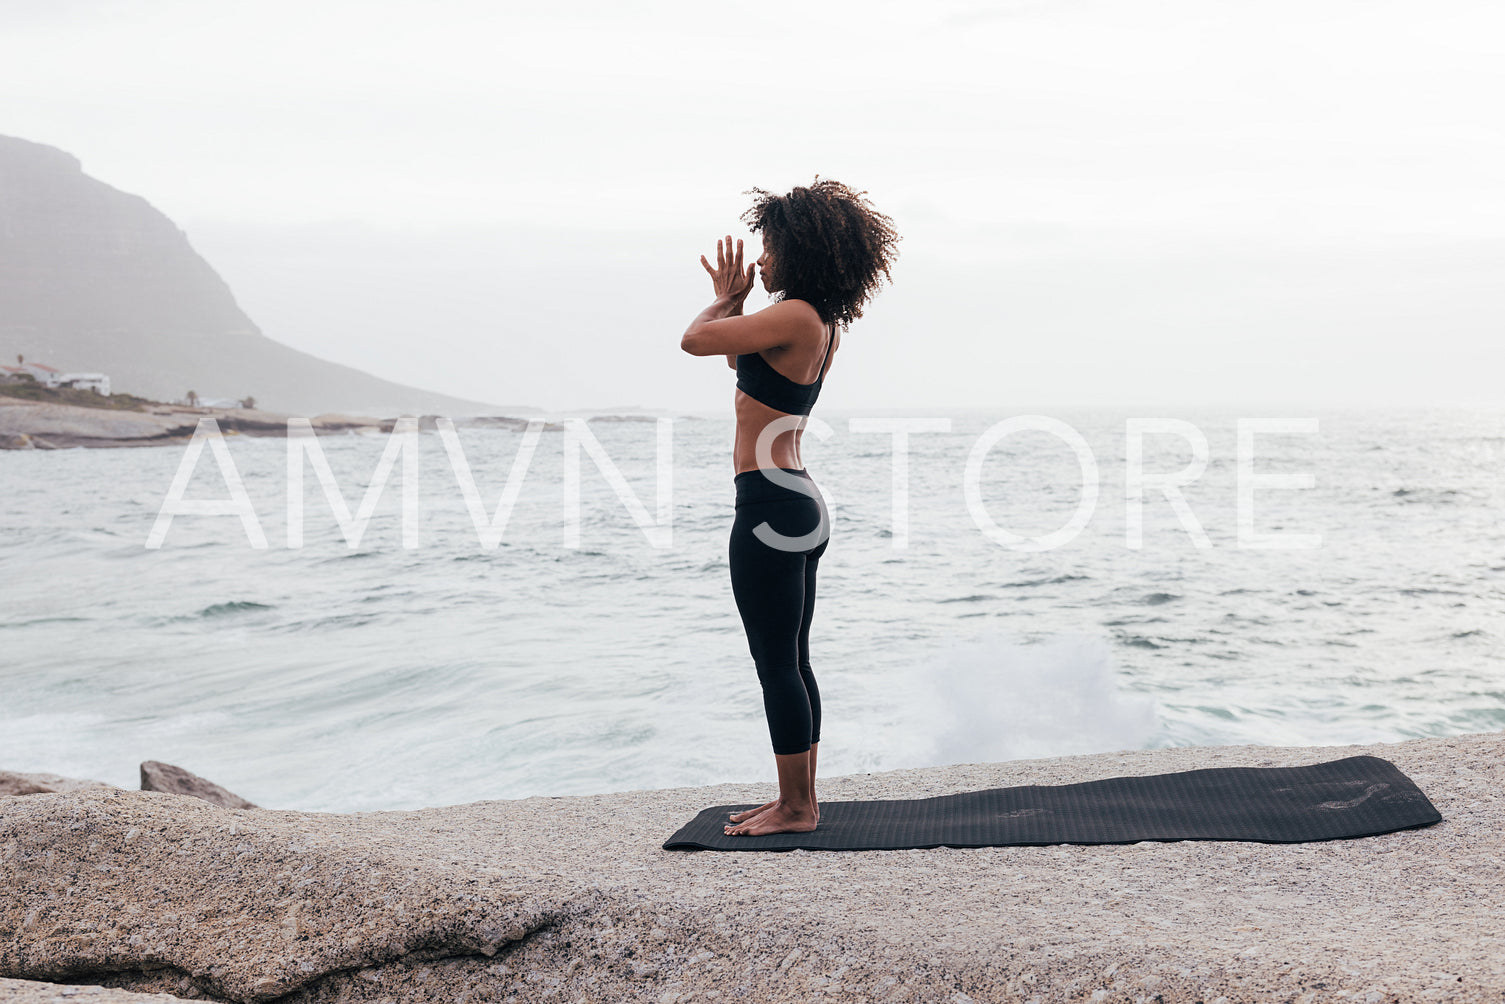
47, 425
32, 992
13, 783
165, 777
32, 425
573, 899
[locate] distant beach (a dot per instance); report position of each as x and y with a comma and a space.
54, 425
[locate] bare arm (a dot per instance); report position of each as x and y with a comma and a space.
731, 285
723, 329
731, 357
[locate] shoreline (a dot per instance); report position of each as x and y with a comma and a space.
574, 894
49, 425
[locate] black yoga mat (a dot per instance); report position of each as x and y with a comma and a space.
1359, 796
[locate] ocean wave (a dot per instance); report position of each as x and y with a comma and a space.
1054, 581
43, 620
232, 607
993, 697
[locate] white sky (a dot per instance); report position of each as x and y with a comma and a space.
1153, 204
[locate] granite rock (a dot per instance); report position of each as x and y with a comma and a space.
573, 899
165, 777
50, 425
12, 783
33, 992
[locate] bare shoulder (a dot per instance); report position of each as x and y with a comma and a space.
797, 316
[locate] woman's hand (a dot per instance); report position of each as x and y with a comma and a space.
728, 279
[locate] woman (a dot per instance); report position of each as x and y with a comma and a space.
824, 250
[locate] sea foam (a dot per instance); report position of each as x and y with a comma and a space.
996, 697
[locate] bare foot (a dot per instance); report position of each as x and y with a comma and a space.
782, 818
738, 817
746, 814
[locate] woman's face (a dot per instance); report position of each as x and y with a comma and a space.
765, 267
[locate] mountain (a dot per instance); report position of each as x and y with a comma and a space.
94, 279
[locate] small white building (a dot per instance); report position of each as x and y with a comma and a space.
44, 375
85, 381
49, 376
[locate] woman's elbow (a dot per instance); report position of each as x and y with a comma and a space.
692, 344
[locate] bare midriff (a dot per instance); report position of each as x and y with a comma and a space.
754, 416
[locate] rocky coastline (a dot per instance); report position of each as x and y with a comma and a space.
48, 425
573, 899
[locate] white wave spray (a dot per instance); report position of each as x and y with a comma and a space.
995, 698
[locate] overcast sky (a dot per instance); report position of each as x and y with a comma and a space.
1153, 204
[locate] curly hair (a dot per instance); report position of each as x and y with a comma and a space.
830, 247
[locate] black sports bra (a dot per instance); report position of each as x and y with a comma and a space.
766, 385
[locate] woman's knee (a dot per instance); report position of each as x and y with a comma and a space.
778, 668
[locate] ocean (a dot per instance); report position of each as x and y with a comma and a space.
1003, 614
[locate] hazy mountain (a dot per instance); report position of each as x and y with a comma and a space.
95, 279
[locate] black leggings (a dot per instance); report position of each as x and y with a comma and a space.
774, 586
